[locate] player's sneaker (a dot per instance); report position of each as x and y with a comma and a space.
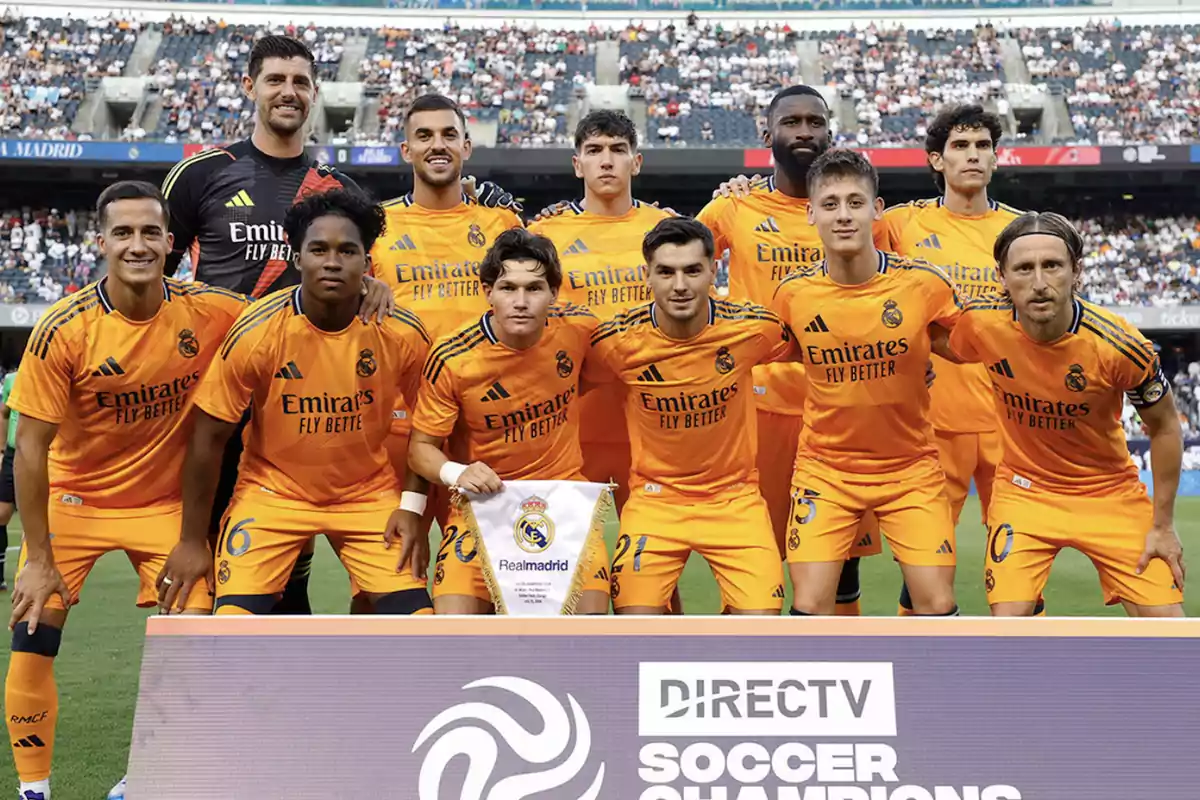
37, 790
118, 791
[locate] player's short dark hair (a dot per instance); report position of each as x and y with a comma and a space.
677, 231
518, 244
275, 46
130, 190
604, 122
436, 102
842, 163
958, 115
1046, 222
355, 206
794, 91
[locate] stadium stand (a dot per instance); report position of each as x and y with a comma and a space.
1136, 261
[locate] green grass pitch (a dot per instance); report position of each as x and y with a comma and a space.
101, 656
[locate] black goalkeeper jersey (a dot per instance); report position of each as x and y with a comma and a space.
227, 208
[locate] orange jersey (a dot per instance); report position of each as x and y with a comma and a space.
865, 351
431, 259
689, 403
768, 237
121, 391
515, 410
603, 269
321, 403
1059, 402
962, 246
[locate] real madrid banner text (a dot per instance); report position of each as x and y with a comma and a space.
534, 538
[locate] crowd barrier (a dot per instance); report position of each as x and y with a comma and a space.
664, 709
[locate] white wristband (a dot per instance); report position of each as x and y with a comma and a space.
450, 472
414, 502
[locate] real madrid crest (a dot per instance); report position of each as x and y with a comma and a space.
725, 362
1153, 392
188, 346
475, 236
366, 364
1076, 381
565, 365
534, 531
892, 317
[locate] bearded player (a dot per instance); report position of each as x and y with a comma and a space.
686, 360
866, 321
484, 387
764, 225
105, 391
1059, 368
227, 210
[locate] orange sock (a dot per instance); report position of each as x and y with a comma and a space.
31, 700
851, 609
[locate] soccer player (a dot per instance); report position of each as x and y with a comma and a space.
8, 491
600, 243
686, 360
227, 211
104, 392
956, 231
436, 237
765, 227
505, 390
1059, 367
865, 321
321, 387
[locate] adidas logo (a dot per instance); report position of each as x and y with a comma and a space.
602, 574
651, 375
403, 243
817, 326
945, 549
289, 371
865, 541
109, 368
1001, 368
29, 741
933, 243
768, 225
778, 593
497, 392
240, 200
576, 248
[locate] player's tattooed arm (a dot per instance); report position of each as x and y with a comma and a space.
39, 577
191, 560
739, 186
491, 195
1166, 458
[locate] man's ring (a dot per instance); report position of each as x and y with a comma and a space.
167, 581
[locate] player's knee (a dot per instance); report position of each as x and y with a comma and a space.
940, 607
849, 588
245, 604
44, 641
405, 601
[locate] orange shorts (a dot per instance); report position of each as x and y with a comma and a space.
778, 438
80, 535
732, 532
1030, 527
262, 535
457, 570
965, 456
829, 507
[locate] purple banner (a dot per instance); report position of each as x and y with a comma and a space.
978, 709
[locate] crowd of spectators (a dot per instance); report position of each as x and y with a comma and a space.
46, 253
522, 78
1132, 260
897, 78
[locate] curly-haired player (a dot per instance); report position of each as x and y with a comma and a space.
321, 387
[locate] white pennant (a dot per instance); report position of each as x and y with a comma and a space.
535, 538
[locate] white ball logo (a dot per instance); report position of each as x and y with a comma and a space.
479, 745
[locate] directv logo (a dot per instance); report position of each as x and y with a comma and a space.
794, 699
